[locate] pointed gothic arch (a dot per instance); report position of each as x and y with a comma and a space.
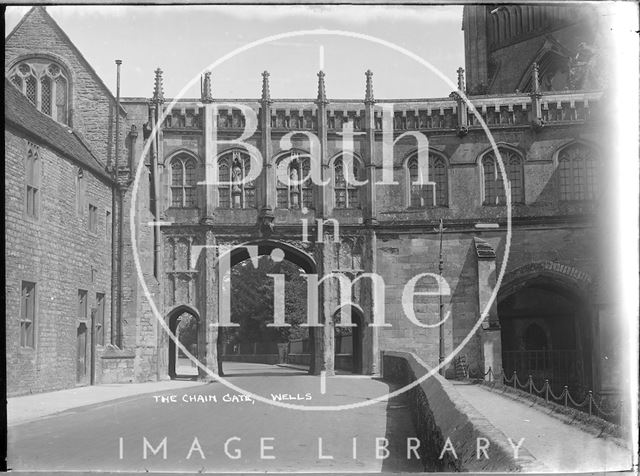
427, 196
492, 181
346, 195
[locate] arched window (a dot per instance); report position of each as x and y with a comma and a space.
45, 84
183, 181
428, 195
292, 195
233, 167
577, 173
347, 195
494, 191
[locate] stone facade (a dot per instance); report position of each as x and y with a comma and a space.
386, 230
58, 252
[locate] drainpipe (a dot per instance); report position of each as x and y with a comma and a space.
120, 217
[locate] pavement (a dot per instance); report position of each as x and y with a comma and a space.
213, 428
36, 406
560, 447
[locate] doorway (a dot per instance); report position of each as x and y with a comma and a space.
184, 324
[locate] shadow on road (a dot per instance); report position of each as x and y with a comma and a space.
399, 428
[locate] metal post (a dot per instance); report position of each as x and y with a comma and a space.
590, 398
515, 379
440, 230
566, 395
530, 383
546, 390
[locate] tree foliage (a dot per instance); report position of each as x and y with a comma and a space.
252, 302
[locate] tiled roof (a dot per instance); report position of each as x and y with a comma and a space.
19, 113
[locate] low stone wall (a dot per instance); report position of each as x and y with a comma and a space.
117, 366
271, 359
440, 412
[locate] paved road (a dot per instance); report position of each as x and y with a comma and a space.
89, 438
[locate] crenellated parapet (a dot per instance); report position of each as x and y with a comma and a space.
451, 114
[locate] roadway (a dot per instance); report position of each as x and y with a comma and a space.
198, 421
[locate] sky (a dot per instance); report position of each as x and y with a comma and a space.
185, 40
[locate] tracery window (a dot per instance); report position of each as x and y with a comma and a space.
577, 173
295, 195
45, 84
347, 195
424, 195
233, 167
183, 181
494, 190
32, 182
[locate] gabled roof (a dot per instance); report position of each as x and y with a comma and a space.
64, 36
21, 115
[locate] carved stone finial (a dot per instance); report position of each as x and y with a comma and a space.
460, 72
206, 95
266, 93
322, 93
158, 91
368, 94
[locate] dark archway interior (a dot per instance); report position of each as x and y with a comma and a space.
348, 342
545, 334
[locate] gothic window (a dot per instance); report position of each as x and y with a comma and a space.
45, 84
233, 167
183, 181
429, 195
32, 182
295, 195
346, 194
83, 305
577, 173
28, 315
494, 190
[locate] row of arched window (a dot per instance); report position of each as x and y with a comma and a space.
45, 84
577, 180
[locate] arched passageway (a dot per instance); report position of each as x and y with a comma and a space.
546, 333
184, 324
253, 341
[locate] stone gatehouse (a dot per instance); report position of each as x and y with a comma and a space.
551, 302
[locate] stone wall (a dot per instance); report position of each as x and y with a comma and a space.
58, 253
439, 412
